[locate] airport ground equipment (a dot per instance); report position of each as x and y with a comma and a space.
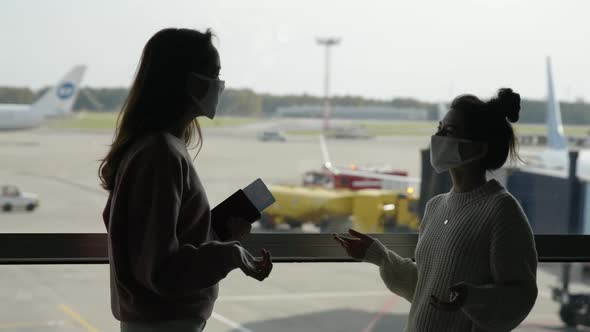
336, 210
575, 308
11, 198
354, 177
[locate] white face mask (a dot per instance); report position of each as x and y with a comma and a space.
445, 154
207, 105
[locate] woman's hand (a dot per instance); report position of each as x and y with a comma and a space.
237, 228
456, 299
258, 269
357, 246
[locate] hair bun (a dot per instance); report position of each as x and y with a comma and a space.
508, 102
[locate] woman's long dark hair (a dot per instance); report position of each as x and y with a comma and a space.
158, 97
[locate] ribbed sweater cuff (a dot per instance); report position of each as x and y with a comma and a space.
375, 254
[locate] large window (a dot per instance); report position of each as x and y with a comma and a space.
47, 298
384, 72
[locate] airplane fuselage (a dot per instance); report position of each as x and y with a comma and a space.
18, 117
57, 101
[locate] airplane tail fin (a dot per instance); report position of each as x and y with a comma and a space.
556, 139
60, 98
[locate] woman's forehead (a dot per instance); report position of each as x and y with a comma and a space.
215, 57
453, 117
456, 119
211, 63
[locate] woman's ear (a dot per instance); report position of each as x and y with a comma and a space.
196, 87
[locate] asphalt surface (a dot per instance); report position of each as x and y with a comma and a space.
61, 166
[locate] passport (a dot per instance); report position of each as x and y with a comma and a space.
247, 204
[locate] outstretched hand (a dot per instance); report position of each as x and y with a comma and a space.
355, 246
258, 269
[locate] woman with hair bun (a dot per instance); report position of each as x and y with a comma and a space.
476, 260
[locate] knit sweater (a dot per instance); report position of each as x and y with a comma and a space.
165, 262
481, 238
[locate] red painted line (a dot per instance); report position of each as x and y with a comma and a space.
383, 311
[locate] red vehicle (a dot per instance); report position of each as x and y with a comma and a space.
356, 178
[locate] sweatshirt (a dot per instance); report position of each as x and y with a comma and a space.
164, 259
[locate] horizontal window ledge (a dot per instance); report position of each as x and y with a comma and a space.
92, 248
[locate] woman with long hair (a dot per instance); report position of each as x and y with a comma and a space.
476, 261
165, 257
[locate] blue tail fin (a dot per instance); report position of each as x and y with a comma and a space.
555, 136
60, 98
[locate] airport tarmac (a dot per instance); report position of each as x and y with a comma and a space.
61, 166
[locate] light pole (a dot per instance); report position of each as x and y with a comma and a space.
328, 43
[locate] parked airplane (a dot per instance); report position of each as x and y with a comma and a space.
555, 155
57, 101
554, 158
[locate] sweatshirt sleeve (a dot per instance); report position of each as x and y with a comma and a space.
503, 304
156, 258
400, 275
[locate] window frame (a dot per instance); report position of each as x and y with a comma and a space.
92, 248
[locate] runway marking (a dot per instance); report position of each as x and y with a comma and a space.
230, 323
383, 311
68, 182
301, 296
77, 318
30, 324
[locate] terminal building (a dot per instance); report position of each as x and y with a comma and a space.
354, 112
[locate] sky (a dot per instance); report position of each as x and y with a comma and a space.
431, 50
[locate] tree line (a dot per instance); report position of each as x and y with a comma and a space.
246, 102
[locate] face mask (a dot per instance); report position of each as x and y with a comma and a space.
207, 105
445, 153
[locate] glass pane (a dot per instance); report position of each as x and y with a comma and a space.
297, 297
392, 74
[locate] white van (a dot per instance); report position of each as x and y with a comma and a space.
271, 136
11, 198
